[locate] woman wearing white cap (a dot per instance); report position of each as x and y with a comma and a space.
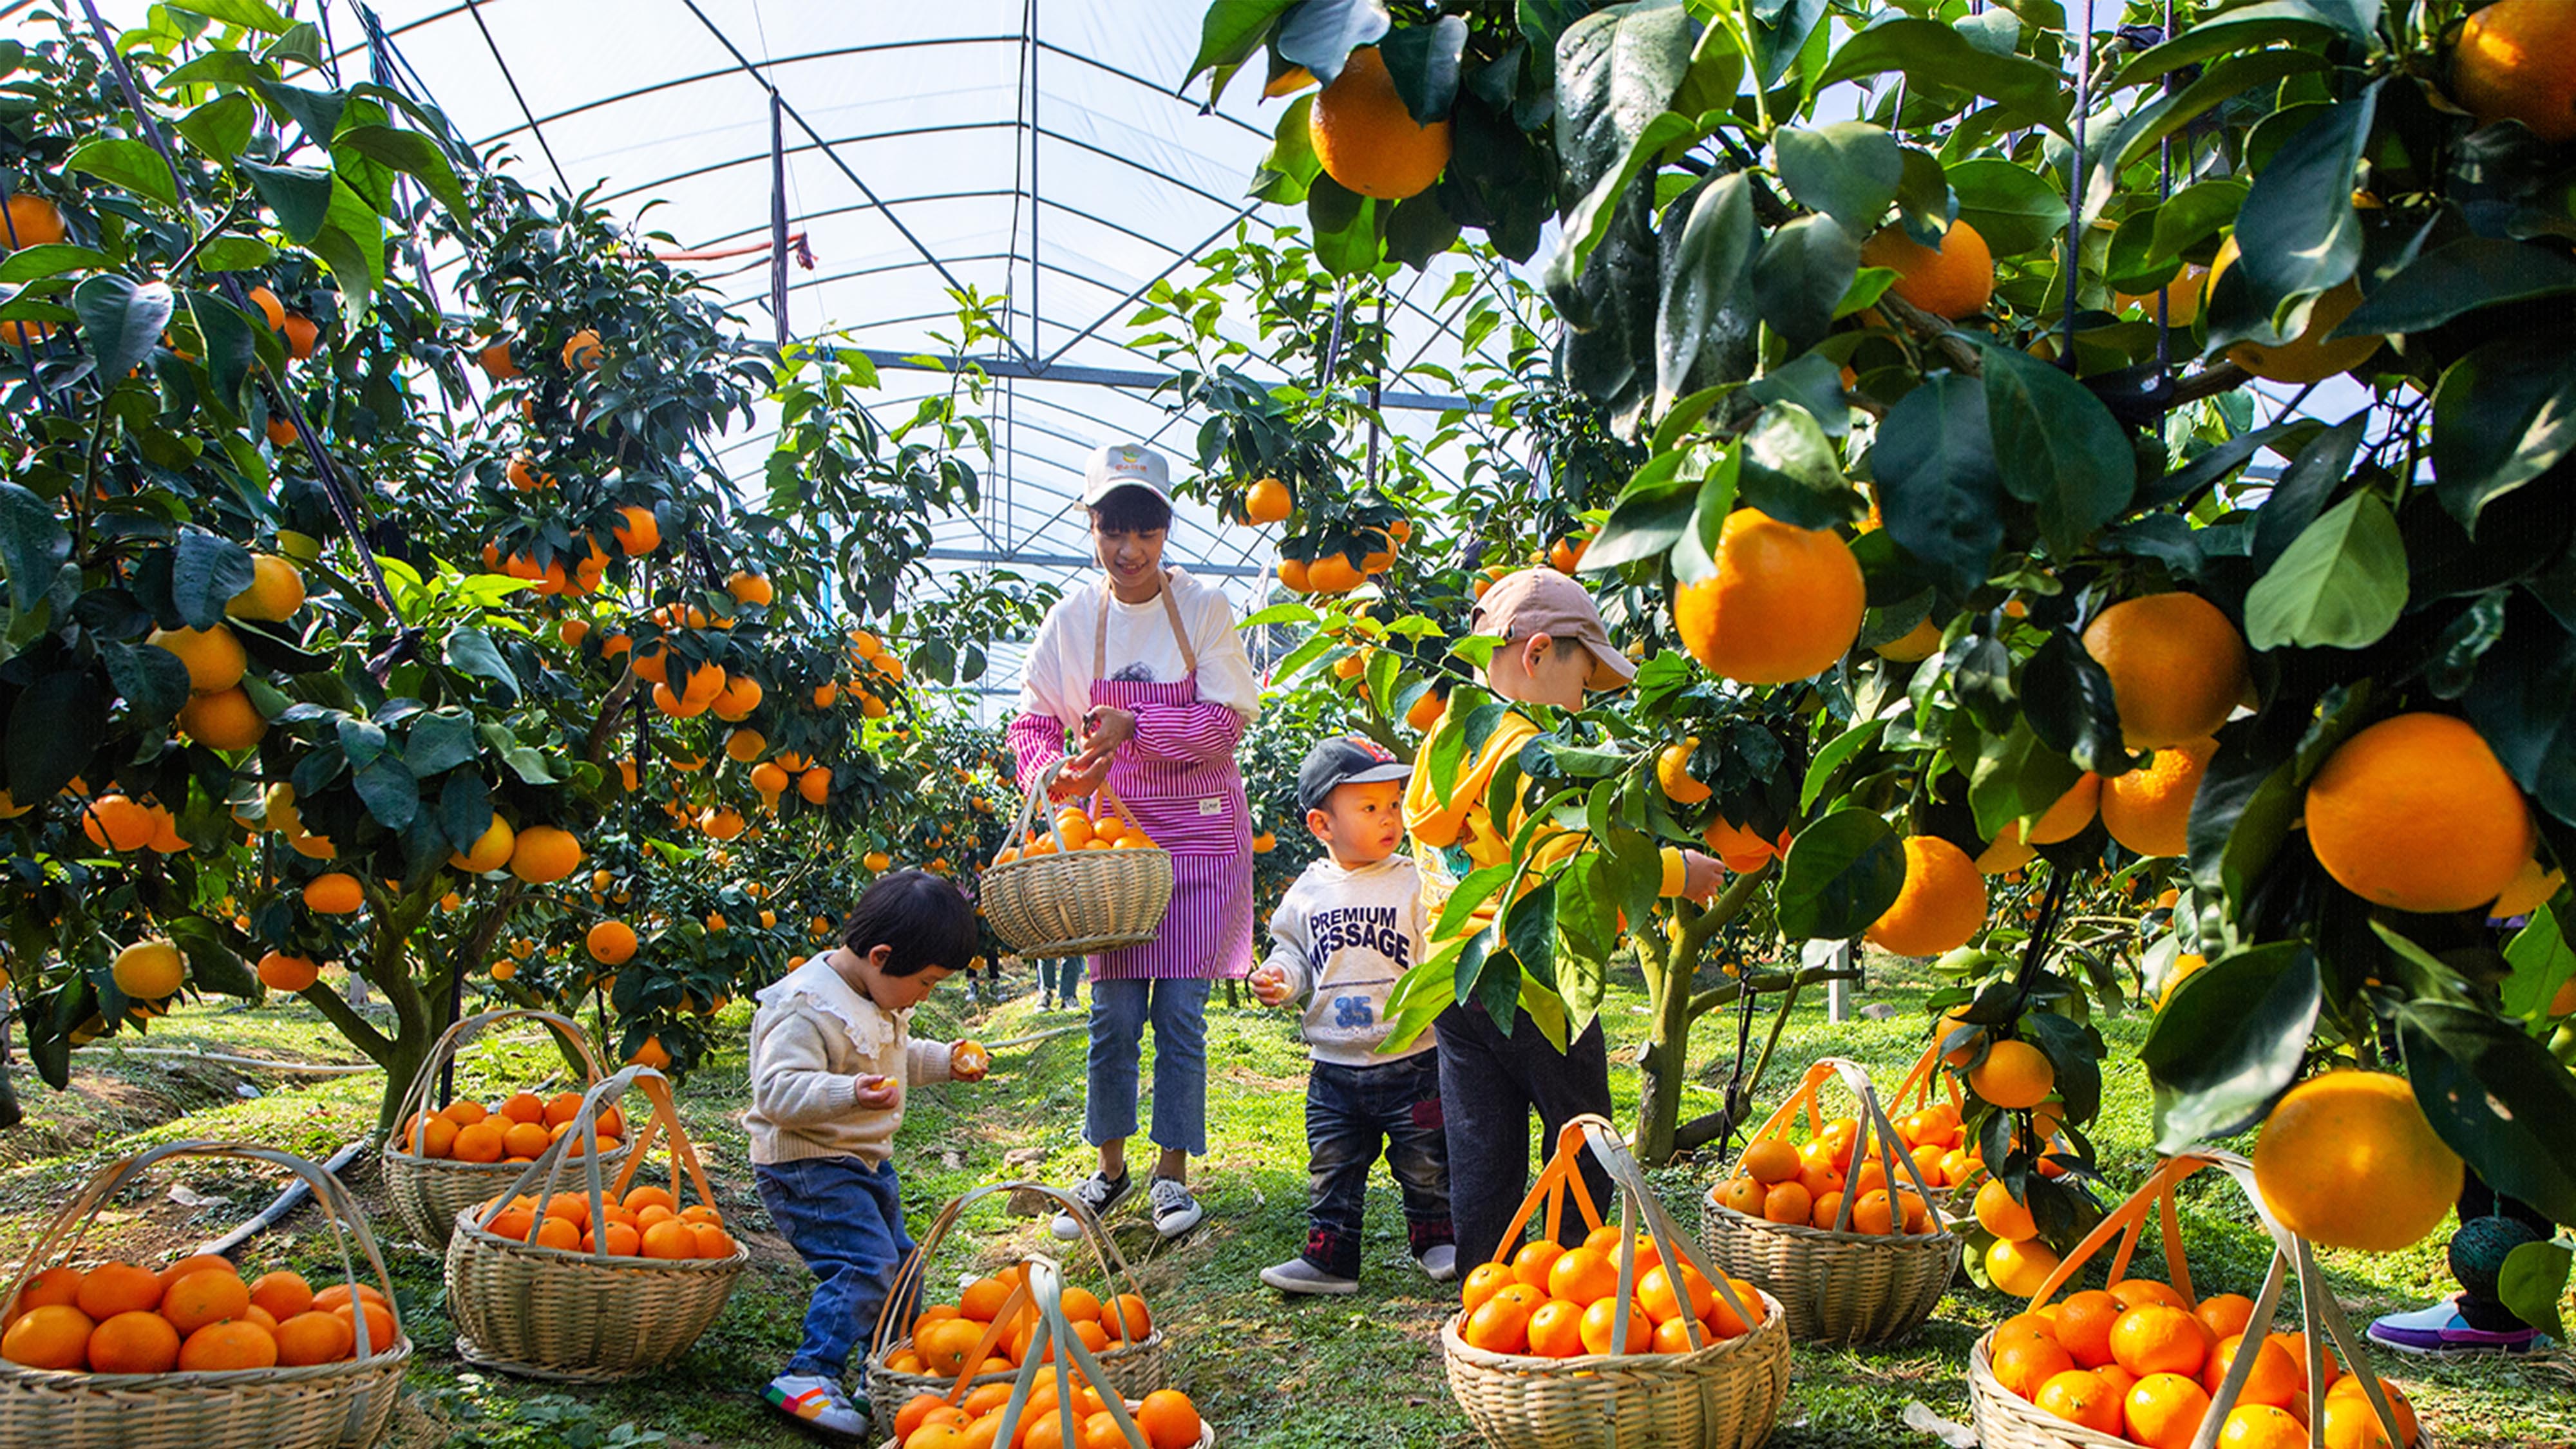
1146, 671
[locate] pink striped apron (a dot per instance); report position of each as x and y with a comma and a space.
1197, 811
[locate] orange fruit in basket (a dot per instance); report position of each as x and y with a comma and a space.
380, 1323
2021, 1328
134, 1343
480, 1142
2157, 1339
1169, 1419
55, 1336
311, 1338
622, 1241
1498, 1325
562, 1108
195, 1263
513, 1224
2226, 1314
1531, 1263
2025, 1365
983, 1299
1135, 1325
1723, 1321
114, 1288
339, 1293
712, 1241
524, 1107
670, 1239
2261, 1426
223, 1347
1556, 1329
2163, 1411
2351, 1423
52, 1287
209, 1295
572, 1207
1742, 1194
553, 1232
1828, 1209
525, 1139
1483, 1282
1582, 1276
915, 1412
1788, 1202
1664, 1302
2273, 1380
2139, 1292
638, 1199
434, 1137
1073, 829
2081, 1397
1080, 1304
2084, 1326
1601, 1329
1768, 1161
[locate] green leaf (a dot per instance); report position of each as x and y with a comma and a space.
2342, 584
1321, 34
2541, 963
1648, 516
1849, 170
1801, 272
256, 15
212, 966
1820, 770
231, 346
50, 260
471, 651
2014, 208
1931, 53
391, 794
2056, 446
221, 127
2017, 776
206, 572
1422, 60
151, 680
1231, 31
2167, 114
1705, 275
2498, 1098
411, 153
1292, 165
1589, 222
132, 165
54, 725
528, 765
1617, 70
33, 546
121, 322
219, 68
2532, 1281
1790, 472
2298, 232
439, 741
1925, 204
2502, 416
235, 254
352, 244
1345, 224
300, 195
1842, 874
2457, 279
2228, 1041
2238, 821
1419, 228
464, 809
1939, 491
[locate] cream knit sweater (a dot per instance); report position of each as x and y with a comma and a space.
812, 1039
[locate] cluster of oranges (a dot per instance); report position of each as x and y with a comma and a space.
1805, 1184
946, 1333
1077, 830
1551, 1301
1167, 1418
646, 1223
195, 1316
2134, 1361
1333, 572
523, 1126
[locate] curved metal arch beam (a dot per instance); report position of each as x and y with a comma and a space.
824, 147
1068, 208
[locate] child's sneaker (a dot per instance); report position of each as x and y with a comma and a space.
1175, 1210
1299, 1276
2442, 1332
1097, 1193
817, 1404
1440, 1261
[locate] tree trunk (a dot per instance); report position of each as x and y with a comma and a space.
1665, 1063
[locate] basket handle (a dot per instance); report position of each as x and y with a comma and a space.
539, 1178
457, 1037
340, 1212
1876, 1128
915, 1272
2129, 1222
1051, 1341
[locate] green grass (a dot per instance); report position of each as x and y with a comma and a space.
1271, 1373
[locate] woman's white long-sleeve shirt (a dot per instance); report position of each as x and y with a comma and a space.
1055, 683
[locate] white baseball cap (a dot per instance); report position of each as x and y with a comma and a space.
1125, 465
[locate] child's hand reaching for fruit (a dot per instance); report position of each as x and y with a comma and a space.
878, 1094
1269, 986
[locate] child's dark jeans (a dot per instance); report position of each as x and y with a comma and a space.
1349, 1110
845, 1219
1489, 1083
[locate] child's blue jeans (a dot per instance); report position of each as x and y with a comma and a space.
1349, 1112
845, 1219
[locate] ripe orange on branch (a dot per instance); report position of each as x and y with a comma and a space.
2149, 810
1367, 140
2177, 667
2348, 1160
2308, 357
1942, 904
1952, 280
2514, 63
1783, 602
2416, 812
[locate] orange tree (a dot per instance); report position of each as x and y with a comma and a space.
309, 636
1947, 409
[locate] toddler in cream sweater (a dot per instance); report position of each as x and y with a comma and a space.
832, 1056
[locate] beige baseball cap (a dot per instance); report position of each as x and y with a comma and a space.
1126, 465
1543, 601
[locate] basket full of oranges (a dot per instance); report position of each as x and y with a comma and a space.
988, 1334
191, 1356
1845, 1228
593, 1279
449, 1158
1630, 1338
1079, 882
2148, 1363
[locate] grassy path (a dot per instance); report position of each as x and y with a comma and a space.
1273, 1374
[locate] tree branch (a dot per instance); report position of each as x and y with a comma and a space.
1730, 903
2219, 377
361, 1033
1954, 349
612, 715
1717, 996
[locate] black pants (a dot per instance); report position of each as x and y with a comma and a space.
1489, 1082
2477, 1251
1349, 1111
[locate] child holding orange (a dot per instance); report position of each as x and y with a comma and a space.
831, 1056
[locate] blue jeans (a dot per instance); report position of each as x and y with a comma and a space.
1119, 1011
1348, 1111
845, 1219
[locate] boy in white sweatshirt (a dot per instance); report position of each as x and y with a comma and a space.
1342, 936
831, 1058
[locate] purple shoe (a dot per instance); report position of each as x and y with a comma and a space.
2440, 1331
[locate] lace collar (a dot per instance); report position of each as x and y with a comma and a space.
872, 1028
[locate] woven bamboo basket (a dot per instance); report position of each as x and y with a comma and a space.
1839, 1286
323, 1406
2005, 1420
1076, 903
1040, 1293
555, 1313
1722, 1395
1136, 1368
425, 1192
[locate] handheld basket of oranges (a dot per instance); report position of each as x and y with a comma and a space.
1846, 1229
1079, 882
1061, 1391
989, 1332
191, 1356
1632, 1338
450, 1158
2149, 1363
593, 1279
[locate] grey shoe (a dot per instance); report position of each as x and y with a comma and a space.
1299, 1276
819, 1407
1098, 1194
1440, 1262
1175, 1210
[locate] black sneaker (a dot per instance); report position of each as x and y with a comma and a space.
1097, 1193
1175, 1210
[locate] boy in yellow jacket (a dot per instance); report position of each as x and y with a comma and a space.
1553, 650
